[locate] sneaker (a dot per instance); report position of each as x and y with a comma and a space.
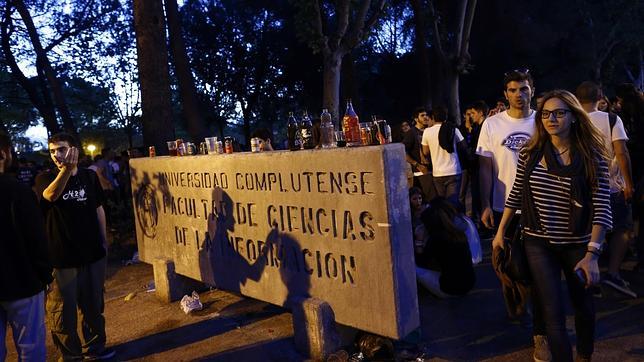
107, 353
619, 284
541, 349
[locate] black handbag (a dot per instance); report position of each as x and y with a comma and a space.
516, 262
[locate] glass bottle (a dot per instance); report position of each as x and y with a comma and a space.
293, 131
306, 132
351, 126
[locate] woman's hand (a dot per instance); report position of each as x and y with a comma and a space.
498, 240
588, 264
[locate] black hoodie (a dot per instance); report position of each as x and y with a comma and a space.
25, 269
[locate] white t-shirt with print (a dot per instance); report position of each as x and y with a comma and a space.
443, 162
501, 139
602, 123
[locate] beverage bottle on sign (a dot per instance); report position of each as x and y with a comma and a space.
293, 133
326, 129
375, 140
306, 131
351, 126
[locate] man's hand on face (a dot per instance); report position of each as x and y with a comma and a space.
70, 160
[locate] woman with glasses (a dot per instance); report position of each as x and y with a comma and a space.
562, 190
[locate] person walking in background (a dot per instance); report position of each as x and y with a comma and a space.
25, 269
470, 183
72, 201
562, 190
630, 107
440, 143
421, 170
614, 136
501, 138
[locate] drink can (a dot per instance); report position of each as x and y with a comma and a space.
254, 144
191, 149
388, 133
152, 151
203, 148
219, 147
181, 147
228, 145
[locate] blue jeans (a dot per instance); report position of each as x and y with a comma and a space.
27, 319
546, 262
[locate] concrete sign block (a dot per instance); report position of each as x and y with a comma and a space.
276, 226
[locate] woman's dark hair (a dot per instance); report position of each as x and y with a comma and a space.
414, 190
632, 102
439, 218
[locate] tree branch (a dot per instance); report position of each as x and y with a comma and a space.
342, 15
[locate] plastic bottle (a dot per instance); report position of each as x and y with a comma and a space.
326, 130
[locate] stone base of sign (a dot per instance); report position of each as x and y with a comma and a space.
169, 285
314, 328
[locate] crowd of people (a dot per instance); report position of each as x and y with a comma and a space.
560, 182
564, 176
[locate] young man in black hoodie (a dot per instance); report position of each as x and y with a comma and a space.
72, 201
25, 270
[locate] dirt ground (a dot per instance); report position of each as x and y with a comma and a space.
238, 329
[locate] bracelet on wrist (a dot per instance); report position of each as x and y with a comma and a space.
594, 252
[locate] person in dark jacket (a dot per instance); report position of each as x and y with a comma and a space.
25, 270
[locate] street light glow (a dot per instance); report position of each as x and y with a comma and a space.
91, 148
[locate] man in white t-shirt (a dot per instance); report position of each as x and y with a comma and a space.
446, 165
502, 136
621, 181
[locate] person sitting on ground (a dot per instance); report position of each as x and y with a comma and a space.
445, 267
417, 206
265, 139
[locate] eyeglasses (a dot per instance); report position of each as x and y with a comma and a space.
514, 71
558, 113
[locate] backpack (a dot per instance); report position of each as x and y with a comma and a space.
612, 119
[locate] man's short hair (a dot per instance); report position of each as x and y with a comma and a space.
588, 92
439, 113
418, 111
63, 137
263, 133
517, 75
479, 106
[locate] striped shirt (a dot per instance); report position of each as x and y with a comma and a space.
551, 196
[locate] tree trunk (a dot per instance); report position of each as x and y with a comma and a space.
187, 90
42, 63
454, 99
152, 59
420, 46
331, 84
348, 84
246, 114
